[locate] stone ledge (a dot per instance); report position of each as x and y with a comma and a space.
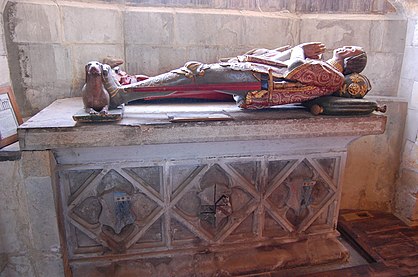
145, 124
235, 262
10, 153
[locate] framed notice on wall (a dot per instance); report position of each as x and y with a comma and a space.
10, 117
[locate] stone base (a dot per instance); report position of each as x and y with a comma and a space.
148, 197
313, 251
112, 115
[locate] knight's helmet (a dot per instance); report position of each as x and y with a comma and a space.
355, 85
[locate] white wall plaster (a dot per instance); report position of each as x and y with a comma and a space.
415, 35
414, 96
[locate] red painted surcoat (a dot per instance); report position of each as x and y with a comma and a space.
310, 80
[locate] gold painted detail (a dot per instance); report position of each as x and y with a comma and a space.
336, 65
354, 89
286, 85
355, 85
257, 94
355, 78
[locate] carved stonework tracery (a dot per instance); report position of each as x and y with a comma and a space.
300, 191
189, 204
113, 210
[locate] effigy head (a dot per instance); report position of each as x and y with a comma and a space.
355, 64
355, 86
355, 58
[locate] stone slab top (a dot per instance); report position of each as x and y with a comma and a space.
175, 122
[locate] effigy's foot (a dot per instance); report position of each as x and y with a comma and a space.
112, 62
85, 116
105, 110
90, 111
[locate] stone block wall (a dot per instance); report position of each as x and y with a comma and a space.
406, 196
29, 243
293, 6
45, 44
49, 43
373, 163
4, 65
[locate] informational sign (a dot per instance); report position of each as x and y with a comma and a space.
9, 117
8, 120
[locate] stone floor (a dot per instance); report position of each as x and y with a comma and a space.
379, 243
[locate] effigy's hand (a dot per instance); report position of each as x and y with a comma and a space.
313, 50
347, 51
282, 48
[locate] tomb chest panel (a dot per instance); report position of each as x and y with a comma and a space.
152, 208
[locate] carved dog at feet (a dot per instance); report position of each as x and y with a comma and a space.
95, 96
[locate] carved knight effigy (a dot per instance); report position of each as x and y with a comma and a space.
259, 78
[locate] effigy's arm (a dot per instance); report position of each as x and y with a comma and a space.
280, 54
261, 60
307, 81
318, 74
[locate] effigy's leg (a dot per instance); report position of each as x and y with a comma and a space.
194, 76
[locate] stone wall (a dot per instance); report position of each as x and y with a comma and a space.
293, 6
29, 243
406, 197
4, 65
373, 163
48, 44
